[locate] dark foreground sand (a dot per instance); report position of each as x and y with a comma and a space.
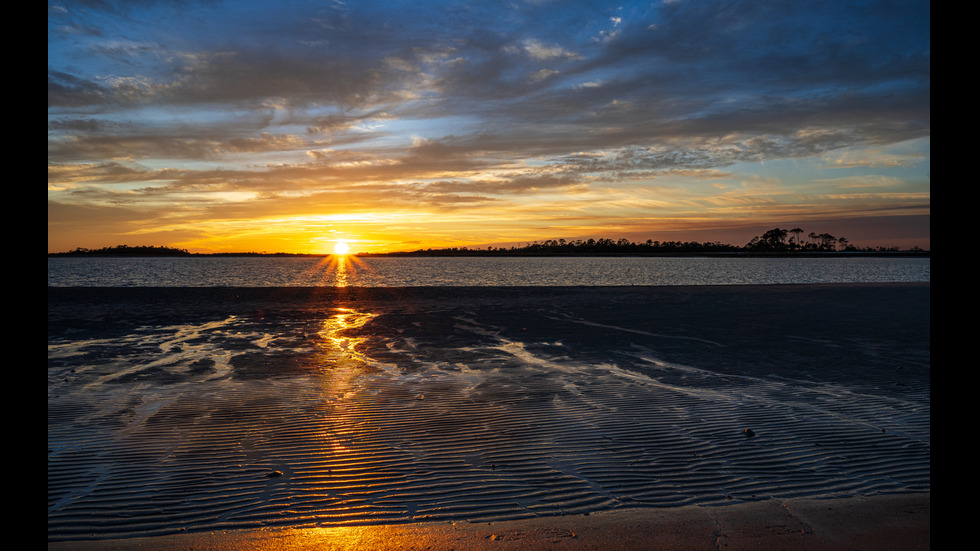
508, 418
868, 523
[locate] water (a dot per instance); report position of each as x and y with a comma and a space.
476, 271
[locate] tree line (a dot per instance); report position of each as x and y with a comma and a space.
151, 250
126, 250
583, 246
776, 240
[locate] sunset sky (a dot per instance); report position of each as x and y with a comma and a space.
284, 126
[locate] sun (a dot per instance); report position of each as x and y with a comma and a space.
340, 248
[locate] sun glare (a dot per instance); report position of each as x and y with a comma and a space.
340, 248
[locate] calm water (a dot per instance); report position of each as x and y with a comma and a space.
476, 271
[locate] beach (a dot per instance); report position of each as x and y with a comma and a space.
755, 416
879, 523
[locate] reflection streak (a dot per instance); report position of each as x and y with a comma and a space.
336, 270
339, 357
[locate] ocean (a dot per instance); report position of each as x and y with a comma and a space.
353, 271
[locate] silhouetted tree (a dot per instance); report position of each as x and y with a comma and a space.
797, 231
772, 240
827, 242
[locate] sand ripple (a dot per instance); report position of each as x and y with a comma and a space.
333, 410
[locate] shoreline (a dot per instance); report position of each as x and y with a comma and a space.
517, 254
886, 522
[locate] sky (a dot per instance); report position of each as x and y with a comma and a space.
290, 125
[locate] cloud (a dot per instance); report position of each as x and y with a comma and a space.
538, 50
461, 104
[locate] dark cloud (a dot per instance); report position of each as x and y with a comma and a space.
66, 90
684, 66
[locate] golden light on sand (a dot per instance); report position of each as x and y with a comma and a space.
341, 248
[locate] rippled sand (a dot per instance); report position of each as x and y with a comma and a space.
207, 409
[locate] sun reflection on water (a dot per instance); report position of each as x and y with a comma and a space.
341, 273
341, 361
334, 328
336, 270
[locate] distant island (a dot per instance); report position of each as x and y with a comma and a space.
151, 250
773, 242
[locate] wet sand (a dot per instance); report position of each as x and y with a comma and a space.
870, 523
577, 418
